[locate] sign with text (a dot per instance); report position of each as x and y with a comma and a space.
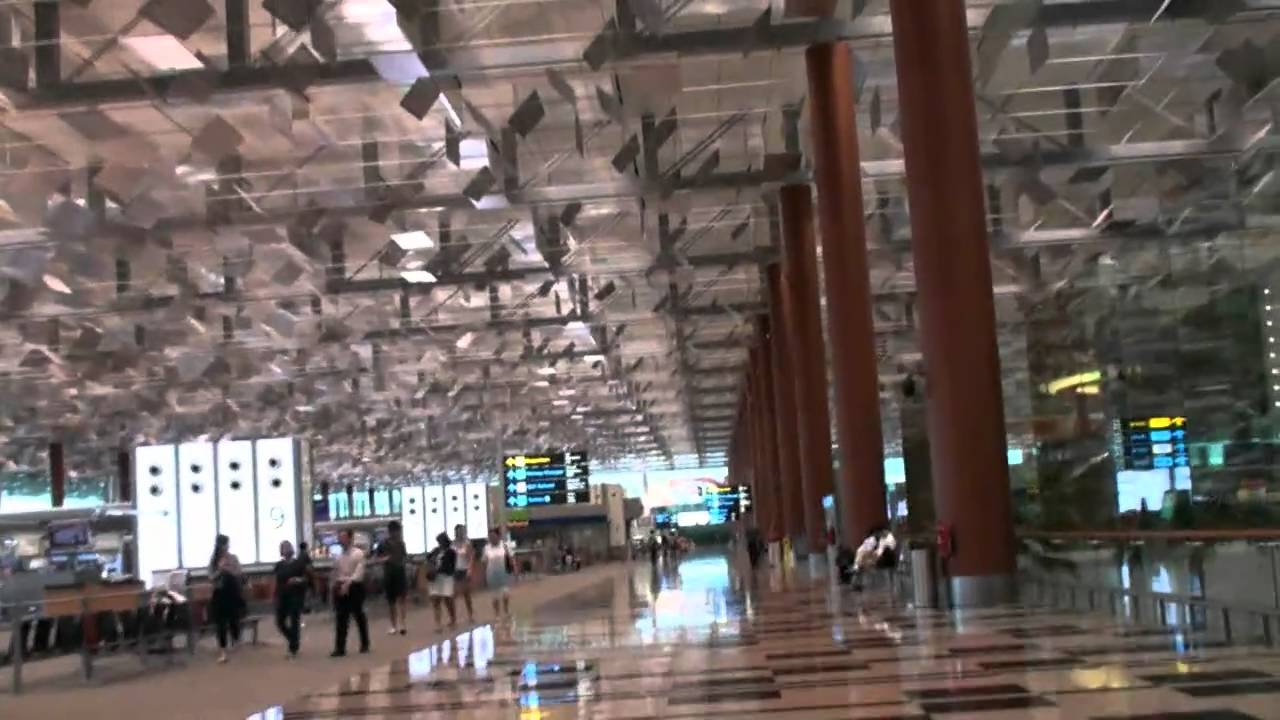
1155, 443
726, 502
553, 478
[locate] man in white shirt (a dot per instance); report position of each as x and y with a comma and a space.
348, 595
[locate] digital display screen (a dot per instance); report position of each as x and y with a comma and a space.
381, 501
356, 503
723, 503
1155, 443
554, 478
69, 535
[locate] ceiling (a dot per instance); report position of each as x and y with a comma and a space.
205, 207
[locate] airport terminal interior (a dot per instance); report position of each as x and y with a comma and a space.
638, 359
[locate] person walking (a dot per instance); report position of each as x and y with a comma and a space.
499, 567
227, 603
348, 595
466, 562
304, 554
394, 558
292, 577
442, 566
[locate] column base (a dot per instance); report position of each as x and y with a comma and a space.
981, 591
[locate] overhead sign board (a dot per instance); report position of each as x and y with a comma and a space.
725, 502
554, 478
1154, 443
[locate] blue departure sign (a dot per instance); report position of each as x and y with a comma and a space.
1154, 443
554, 478
725, 502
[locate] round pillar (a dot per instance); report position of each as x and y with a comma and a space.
955, 306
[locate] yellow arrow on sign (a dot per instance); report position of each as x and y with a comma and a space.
517, 461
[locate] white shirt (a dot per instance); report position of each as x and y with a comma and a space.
496, 555
349, 566
888, 543
466, 554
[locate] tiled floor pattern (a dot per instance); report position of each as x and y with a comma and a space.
699, 641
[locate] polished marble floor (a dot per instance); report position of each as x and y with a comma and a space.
703, 639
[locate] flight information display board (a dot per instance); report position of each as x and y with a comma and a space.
1154, 443
726, 502
553, 478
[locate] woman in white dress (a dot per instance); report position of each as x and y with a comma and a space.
498, 569
443, 563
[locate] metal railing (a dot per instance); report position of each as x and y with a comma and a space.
1201, 614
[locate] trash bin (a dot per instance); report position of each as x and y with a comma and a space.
922, 579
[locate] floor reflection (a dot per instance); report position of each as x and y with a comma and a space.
700, 637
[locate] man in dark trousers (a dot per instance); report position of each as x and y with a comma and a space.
348, 595
292, 577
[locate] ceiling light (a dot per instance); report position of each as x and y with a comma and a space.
593, 358
418, 276
55, 284
568, 393
575, 325
546, 371
544, 383
162, 52
414, 265
559, 402
413, 240
464, 342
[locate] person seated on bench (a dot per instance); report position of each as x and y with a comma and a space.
878, 550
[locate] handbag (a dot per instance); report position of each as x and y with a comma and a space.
432, 567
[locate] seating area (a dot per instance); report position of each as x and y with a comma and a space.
102, 621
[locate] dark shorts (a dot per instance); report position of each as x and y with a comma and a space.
394, 584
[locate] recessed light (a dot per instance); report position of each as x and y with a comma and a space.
595, 358
559, 402
55, 284
413, 240
418, 276
546, 371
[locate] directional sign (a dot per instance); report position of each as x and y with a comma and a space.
553, 478
1151, 443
